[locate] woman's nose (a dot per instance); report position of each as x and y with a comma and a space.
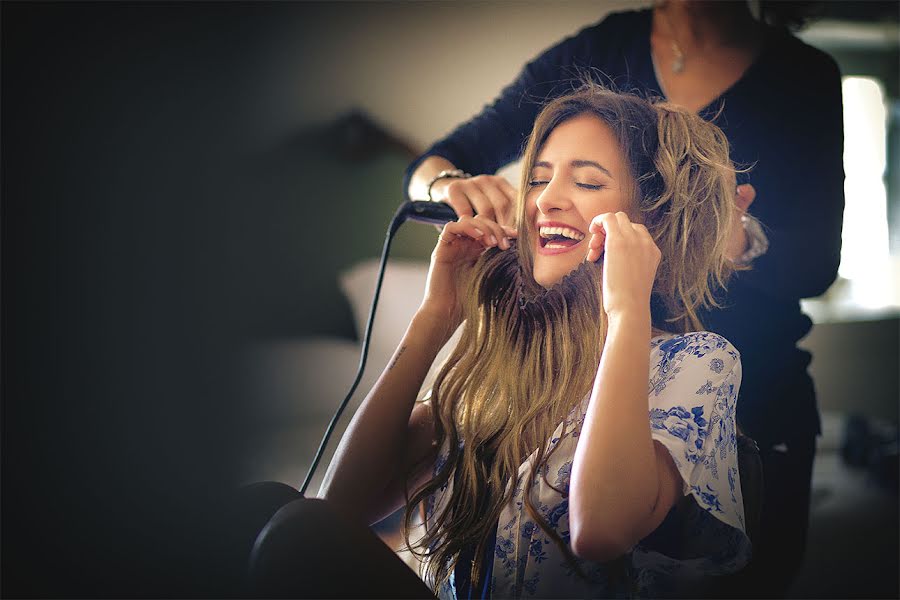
553, 197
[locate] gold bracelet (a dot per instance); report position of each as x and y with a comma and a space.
451, 174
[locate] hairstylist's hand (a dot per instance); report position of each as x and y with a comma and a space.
459, 246
737, 237
630, 259
488, 196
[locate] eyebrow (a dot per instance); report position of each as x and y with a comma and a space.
577, 164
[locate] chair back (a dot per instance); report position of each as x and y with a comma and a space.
752, 483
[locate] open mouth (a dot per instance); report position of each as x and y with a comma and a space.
559, 237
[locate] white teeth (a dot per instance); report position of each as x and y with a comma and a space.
564, 231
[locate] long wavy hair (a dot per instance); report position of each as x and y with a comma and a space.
528, 355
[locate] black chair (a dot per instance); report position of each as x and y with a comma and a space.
752, 483
305, 548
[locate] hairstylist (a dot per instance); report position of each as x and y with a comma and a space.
779, 103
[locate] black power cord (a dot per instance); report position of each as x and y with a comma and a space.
435, 213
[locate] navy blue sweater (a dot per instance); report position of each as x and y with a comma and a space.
783, 119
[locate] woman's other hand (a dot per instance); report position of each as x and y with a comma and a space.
489, 196
737, 237
630, 260
459, 246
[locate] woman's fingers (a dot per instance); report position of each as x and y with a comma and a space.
496, 234
629, 265
598, 239
465, 227
608, 222
489, 196
642, 233
455, 195
625, 226
603, 228
500, 195
502, 198
487, 232
510, 193
480, 201
619, 228
614, 228
595, 246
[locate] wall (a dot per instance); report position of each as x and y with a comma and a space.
418, 67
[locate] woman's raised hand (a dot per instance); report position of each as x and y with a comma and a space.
459, 246
630, 260
488, 196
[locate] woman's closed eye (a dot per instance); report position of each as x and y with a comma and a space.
587, 186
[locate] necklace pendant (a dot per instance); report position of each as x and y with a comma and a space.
678, 61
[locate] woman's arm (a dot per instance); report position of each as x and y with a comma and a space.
387, 436
623, 484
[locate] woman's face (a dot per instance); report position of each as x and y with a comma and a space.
580, 172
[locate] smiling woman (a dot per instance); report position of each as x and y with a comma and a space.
544, 466
566, 190
591, 153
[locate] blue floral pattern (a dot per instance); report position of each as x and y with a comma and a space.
693, 386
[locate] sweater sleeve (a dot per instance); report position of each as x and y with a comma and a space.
497, 135
799, 181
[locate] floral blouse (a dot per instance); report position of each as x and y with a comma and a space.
693, 387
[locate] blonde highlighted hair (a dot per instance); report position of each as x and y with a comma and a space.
528, 356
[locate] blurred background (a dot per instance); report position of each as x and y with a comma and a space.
194, 195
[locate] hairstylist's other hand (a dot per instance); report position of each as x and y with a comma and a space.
630, 260
459, 246
737, 237
488, 196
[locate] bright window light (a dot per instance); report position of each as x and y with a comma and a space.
865, 254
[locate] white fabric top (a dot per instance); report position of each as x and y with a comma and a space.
693, 388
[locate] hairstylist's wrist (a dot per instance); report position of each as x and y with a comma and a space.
444, 177
424, 173
756, 242
439, 190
